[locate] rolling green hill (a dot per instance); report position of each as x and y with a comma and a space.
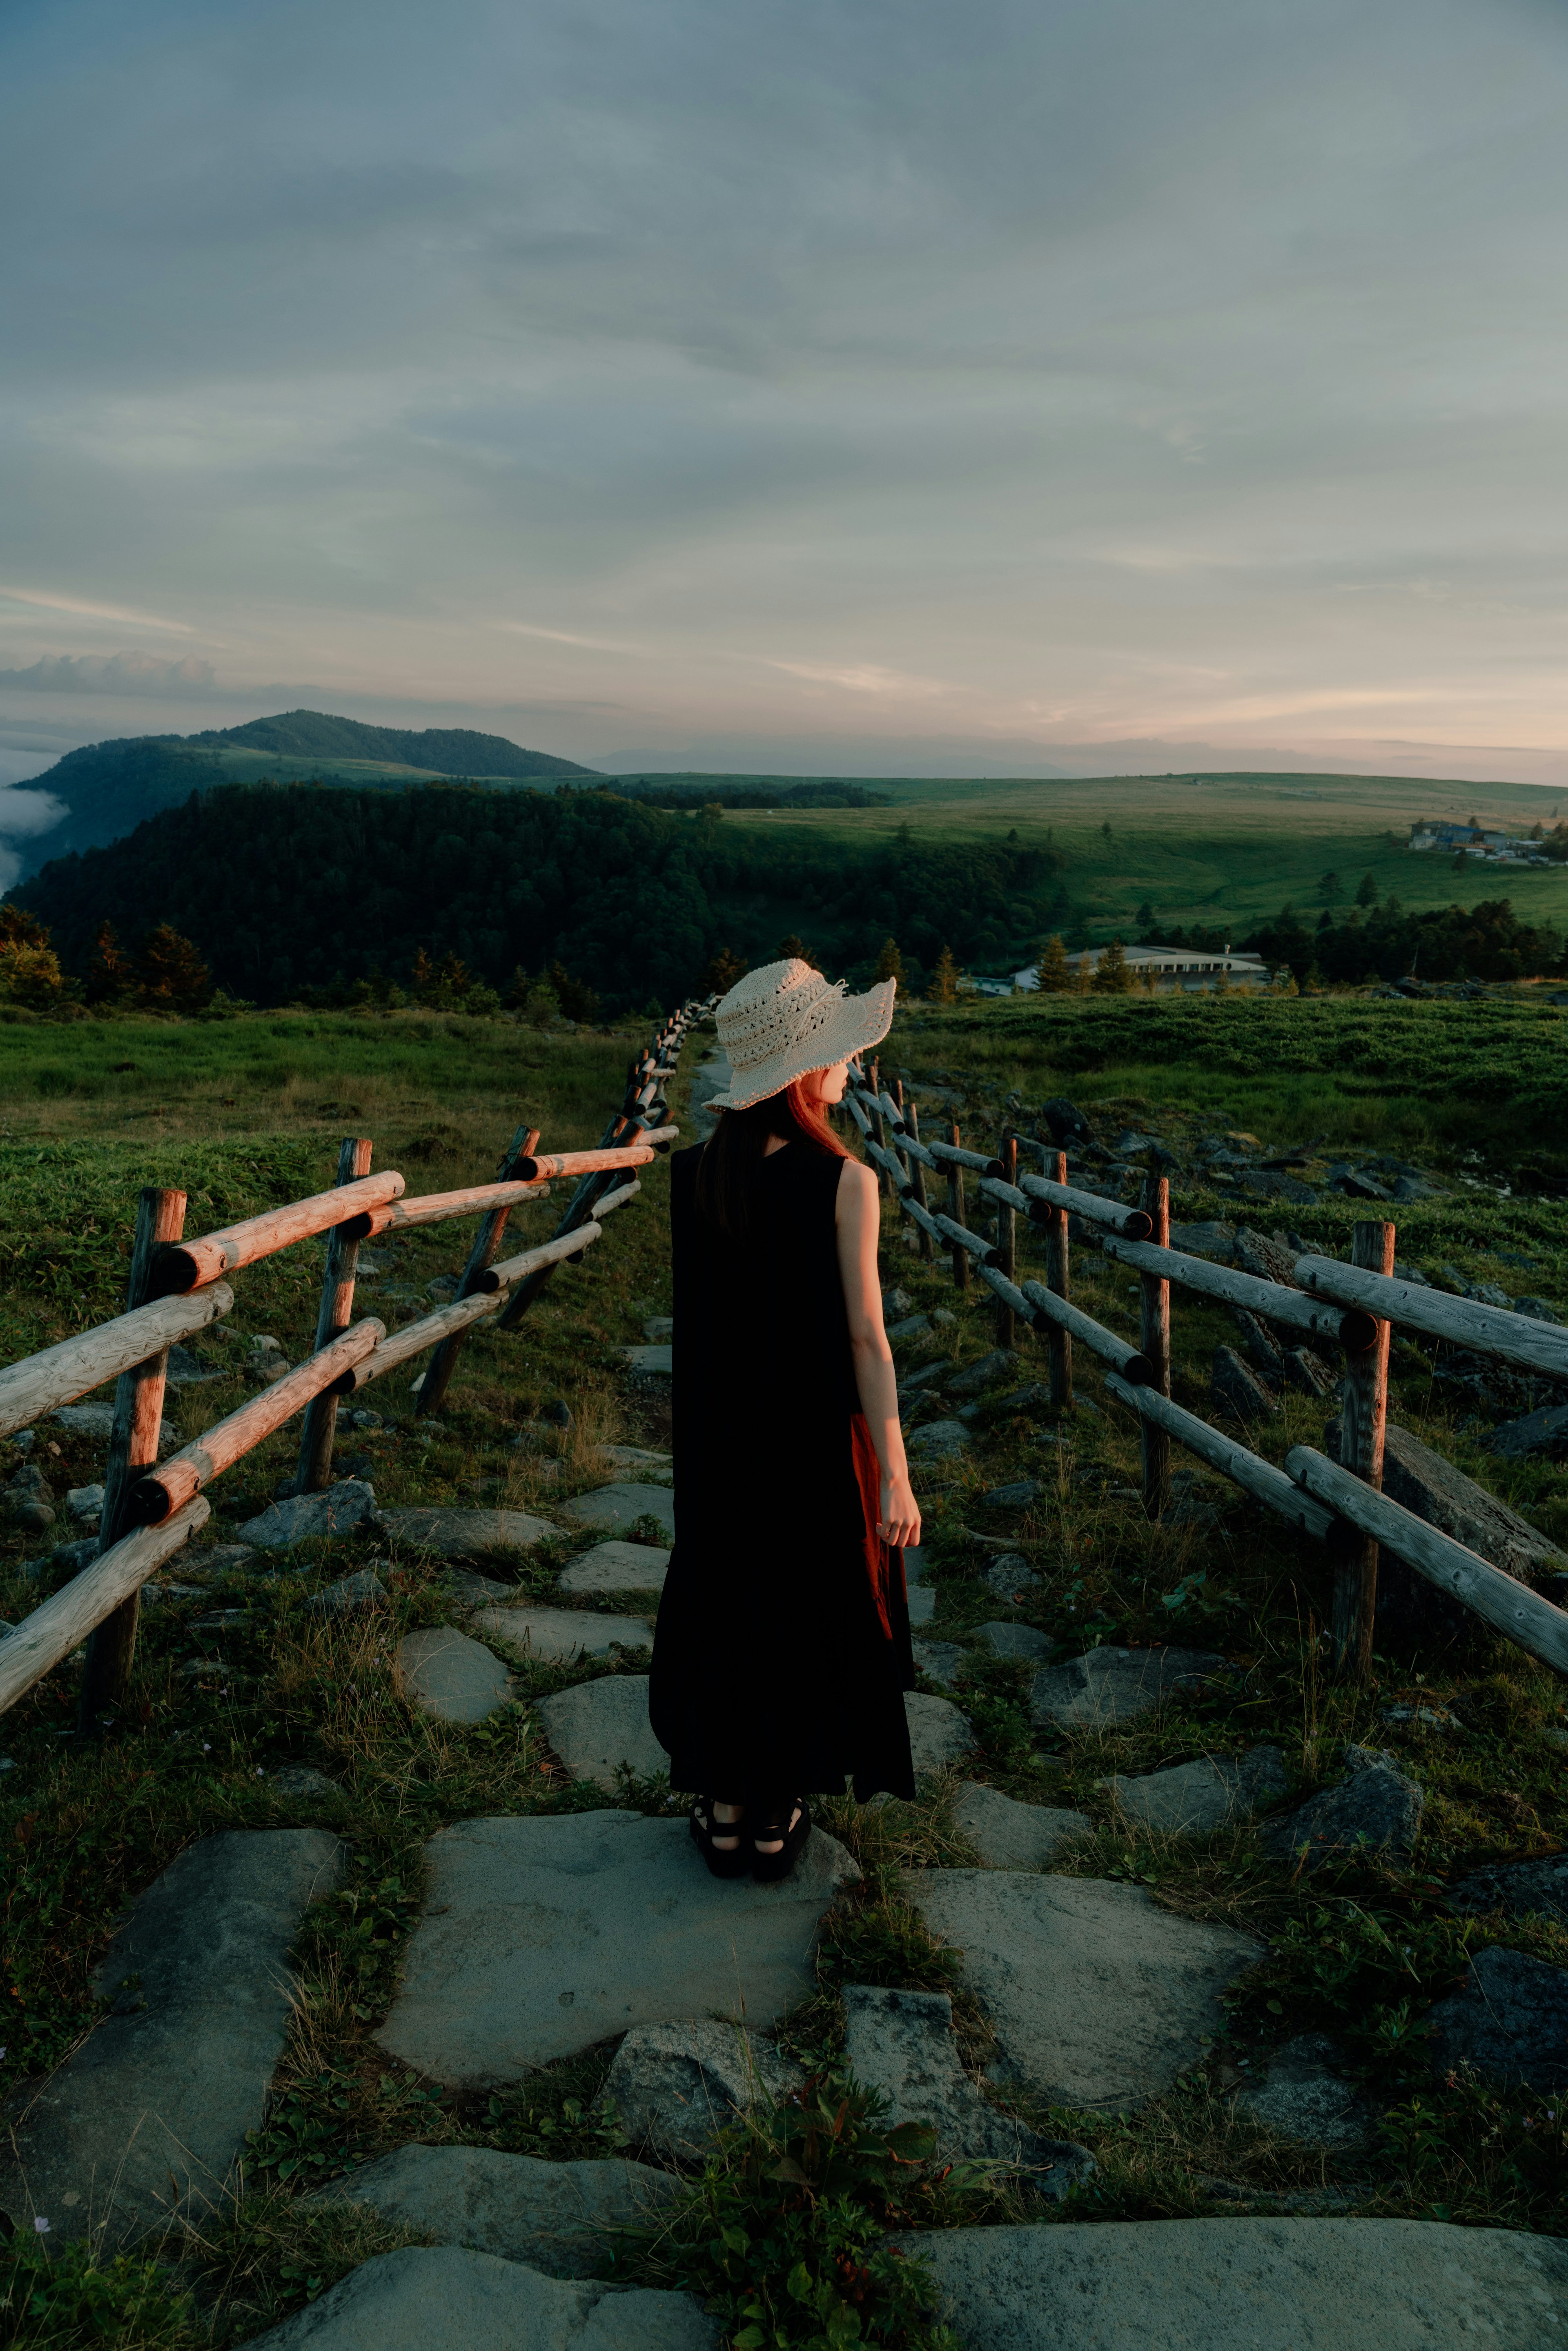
110, 787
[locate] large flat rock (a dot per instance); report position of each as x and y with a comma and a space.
1376, 1808
337, 1510
444, 2298
1098, 1996
450, 1676
463, 1534
620, 1505
563, 1632
599, 1727
1010, 1836
149, 2116
1110, 1686
616, 1566
939, 1732
555, 2216
541, 1937
1193, 1799
1248, 2285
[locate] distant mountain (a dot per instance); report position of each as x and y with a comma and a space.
108, 788
440, 750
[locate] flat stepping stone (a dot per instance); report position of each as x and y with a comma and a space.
544, 1935
148, 2120
1260, 2284
674, 2086
1008, 1835
450, 1677
650, 1362
1013, 1640
463, 1534
1192, 1799
939, 1732
599, 1727
556, 2217
1307, 2097
622, 1505
564, 1632
656, 1465
939, 1660
1108, 1686
902, 2044
922, 1604
1098, 1997
444, 2297
616, 1566
337, 1510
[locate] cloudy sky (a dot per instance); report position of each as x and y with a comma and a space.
769, 383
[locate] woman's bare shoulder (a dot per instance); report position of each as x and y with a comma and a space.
856, 1184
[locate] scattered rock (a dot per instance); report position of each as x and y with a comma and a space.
556, 2217
1033, 1396
1107, 1685
674, 2086
638, 1456
1518, 1887
1269, 1260
428, 2297
186, 1369
602, 1726
304, 1779
564, 1632
97, 1421
450, 1677
1008, 1576
1307, 1372
149, 2116
1013, 1640
1211, 1239
999, 1365
363, 1589
1010, 1836
1539, 1310
925, 1375
1098, 1997
939, 1660
1015, 1497
911, 1326
335, 1511
265, 1363
1374, 1807
1192, 1799
1238, 1391
1421, 1481
1306, 2098
1510, 2022
1066, 1122
85, 1504
1265, 1359
1539, 1436
463, 1534
1246, 2284
618, 1567
939, 1441
223, 1559
939, 1733
543, 1935
650, 1363
901, 2043
619, 1505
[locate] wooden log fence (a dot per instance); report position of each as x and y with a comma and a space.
1353, 1306
176, 1288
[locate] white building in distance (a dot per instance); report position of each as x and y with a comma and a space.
1194, 968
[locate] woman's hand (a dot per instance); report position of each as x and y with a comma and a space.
900, 1521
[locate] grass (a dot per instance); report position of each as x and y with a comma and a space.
1361, 1951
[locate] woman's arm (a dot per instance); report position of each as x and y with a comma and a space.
858, 1219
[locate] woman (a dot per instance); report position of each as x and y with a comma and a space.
782, 1650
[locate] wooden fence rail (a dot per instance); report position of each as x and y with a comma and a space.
177, 1290
1353, 1306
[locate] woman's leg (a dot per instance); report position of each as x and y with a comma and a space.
724, 1815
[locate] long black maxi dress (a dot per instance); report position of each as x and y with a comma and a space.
783, 1653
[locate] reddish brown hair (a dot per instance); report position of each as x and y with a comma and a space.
739, 1143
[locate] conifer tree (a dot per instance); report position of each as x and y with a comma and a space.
889, 964
1111, 977
169, 974
944, 979
1052, 971
723, 972
109, 972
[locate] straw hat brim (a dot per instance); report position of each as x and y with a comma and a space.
859, 1022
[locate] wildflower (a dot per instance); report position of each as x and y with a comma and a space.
41, 2225
206, 1745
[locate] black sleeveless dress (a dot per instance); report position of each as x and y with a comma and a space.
781, 1653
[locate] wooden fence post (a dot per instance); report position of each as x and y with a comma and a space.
878, 1132
132, 1451
336, 1312
1154, 1337
1059, 1278
917, 1179
955, 1208
1361, 1451
1006, 1327
444, 1363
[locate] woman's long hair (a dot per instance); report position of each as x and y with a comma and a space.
739, 1143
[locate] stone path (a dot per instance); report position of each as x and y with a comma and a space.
445, 2299
149, 2117
555, 2216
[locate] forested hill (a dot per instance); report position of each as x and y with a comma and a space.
284, 889
439, 750
108, 788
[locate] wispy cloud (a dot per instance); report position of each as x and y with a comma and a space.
137, 673
36, 598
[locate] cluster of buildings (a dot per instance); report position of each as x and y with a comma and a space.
1479, 840
1191, 968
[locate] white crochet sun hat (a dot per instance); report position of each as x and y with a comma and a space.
784, 1019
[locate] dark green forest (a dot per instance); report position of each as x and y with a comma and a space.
441, 750
291, 890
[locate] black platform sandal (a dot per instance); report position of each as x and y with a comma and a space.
705, 1827
768, 1867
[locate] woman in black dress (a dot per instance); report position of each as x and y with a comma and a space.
783, 1653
